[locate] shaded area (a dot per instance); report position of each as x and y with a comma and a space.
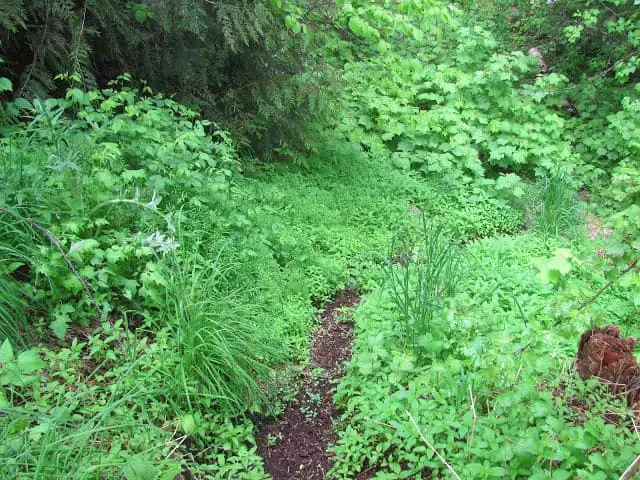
295, 445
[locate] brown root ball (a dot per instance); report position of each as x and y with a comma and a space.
603, 354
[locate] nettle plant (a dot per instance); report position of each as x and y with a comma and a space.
103, 179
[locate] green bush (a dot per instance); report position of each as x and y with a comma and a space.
104, 176
459, 112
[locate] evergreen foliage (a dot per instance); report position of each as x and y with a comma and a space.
234, 60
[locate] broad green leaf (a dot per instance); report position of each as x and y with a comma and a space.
6, 352
30, 361
59, 326
5, 85
139, 468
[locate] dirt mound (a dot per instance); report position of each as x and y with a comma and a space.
602, 353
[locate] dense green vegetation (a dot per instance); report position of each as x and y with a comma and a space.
183, 184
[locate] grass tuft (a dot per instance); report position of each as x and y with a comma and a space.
556, 205
223, 351
421, 283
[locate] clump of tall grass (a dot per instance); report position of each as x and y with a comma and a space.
18, 243
421, 283
222, 351
555, 206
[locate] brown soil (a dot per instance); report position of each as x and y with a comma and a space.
294, 447
596, 228
602, 353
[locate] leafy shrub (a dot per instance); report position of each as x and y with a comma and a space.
104, 175
458, 115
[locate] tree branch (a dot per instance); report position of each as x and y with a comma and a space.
608, 285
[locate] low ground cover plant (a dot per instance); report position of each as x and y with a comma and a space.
160, 277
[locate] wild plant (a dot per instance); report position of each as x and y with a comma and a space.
555, 206
222, 351
64, 436
17, 248
421, 283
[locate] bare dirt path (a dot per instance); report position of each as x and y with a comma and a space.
294, 446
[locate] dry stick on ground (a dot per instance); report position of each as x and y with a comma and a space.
475, 418
424, 439
630, 267
631, 469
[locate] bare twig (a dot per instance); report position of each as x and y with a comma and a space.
519, 351
518, 373
35, 53
630, 267
635, 425
475, 419
424, 439
473, 405
631, 469
56, 243
180, 441
378, 422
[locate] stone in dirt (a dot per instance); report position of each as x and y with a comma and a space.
604, 354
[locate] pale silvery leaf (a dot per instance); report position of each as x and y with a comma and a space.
155, 201
170, 225
160, 243
86, 244
76, 246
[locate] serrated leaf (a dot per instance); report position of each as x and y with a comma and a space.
30, 361
139, 468
72, 283
5, 85
10, 375
59, 326
82, 245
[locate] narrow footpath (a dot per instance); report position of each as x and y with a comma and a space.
294, 446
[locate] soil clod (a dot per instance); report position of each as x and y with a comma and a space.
604, 354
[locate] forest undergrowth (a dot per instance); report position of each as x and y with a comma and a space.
472, 171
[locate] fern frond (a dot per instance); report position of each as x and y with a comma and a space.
13, 15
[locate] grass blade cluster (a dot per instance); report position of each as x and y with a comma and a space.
420, 285
556, 206
222, 353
